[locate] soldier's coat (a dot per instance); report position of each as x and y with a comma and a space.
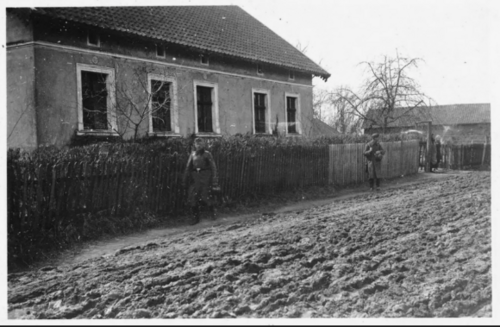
374, 166
201, 168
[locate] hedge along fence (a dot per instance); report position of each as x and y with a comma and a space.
347, 162
55, 196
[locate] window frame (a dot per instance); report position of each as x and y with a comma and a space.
268, 110
202, 56
298, 122
260, 70
174, 108
160, 46
110, 101
215, 106
291, 75
98, 45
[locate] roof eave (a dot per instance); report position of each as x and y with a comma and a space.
316, 73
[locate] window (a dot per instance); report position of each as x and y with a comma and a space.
291, 75
160, 51
291, 110
160, 106
292, 113
93, 38
204, 101
206, 108
204, 59
261, 111
96, 99
163, 118
259, 69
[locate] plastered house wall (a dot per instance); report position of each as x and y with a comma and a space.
59, 47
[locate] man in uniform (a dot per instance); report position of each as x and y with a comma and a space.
201, 168
374, 154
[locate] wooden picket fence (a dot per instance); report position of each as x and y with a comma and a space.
50, 196
348, 162
466, 156
460, 156
244, 172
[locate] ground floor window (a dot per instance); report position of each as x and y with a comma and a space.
292, 114
204, 101
163, 117
96, 98
206, 110
160, 106
261, 111
291, 111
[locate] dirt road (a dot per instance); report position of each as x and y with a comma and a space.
420, 249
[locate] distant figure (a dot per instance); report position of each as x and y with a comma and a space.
432, 154
439, 155
374, 154
201, 168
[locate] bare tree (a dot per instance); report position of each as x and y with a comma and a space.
344, 118
301, 48
320, 102
140, 98
388, 86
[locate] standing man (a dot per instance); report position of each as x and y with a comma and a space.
374, 154
201, 168
439, 155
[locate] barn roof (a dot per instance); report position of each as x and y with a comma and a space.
455, 114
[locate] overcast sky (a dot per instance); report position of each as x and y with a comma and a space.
452, 37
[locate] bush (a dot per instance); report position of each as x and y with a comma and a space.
124, 150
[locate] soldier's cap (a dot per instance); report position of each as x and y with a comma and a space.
375, 135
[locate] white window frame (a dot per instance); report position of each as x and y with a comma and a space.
163, 48
215, 106
298, 116
98, 45
111, 100
268, 109
174, 107
291, 75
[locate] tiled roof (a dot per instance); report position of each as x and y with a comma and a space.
455, 114
320, 128
227, 30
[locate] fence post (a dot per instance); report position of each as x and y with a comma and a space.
484, 150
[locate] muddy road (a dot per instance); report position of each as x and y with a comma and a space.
420, 249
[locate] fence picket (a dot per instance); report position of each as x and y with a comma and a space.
55, 193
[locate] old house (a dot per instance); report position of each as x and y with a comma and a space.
463, 123
163, 71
